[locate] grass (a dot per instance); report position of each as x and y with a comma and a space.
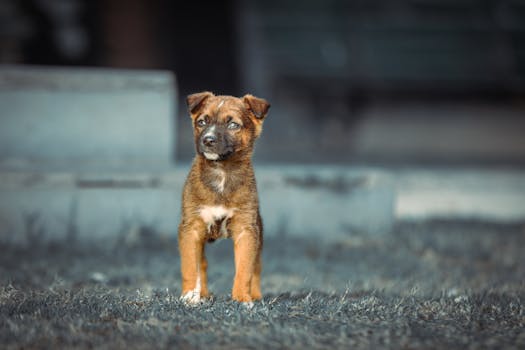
425, 285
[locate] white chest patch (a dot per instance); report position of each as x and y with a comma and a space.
211, 214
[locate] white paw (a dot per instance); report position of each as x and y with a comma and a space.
191, 298
248, 305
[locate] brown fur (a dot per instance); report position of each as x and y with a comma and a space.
227, 185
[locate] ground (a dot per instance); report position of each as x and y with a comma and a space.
439, 284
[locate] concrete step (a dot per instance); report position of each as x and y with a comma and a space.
57, 118
473, 193
294, 200
322, 201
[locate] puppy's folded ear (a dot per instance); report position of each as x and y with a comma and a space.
195, 101
258, 106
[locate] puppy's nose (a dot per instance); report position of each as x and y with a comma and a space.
209, 140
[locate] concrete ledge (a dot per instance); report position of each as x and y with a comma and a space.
320, 201
294, 201
330, 202
56, 117
482, 194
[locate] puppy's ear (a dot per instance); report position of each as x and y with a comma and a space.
195, 101
258, 106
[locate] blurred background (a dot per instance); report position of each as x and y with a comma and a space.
428, 96
404, 80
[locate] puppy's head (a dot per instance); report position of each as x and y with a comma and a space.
226, 126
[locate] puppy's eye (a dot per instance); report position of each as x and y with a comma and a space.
201, 122
233, 126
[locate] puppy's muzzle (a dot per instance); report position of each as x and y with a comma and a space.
209, 140
214, 145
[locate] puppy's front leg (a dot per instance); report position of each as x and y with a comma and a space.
191, 246
246, 246
256, 279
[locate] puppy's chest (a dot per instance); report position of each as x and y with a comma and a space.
216, 179
216, 219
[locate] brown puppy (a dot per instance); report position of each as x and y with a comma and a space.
220, 195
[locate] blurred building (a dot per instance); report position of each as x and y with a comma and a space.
361, 81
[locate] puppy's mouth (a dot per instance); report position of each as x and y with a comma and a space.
210, 155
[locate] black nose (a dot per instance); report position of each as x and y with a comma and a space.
209, 140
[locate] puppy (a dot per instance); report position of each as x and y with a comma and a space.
220, 195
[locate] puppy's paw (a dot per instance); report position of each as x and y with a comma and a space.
242, 297
205, 294
256, 295
248, 305
191, 298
